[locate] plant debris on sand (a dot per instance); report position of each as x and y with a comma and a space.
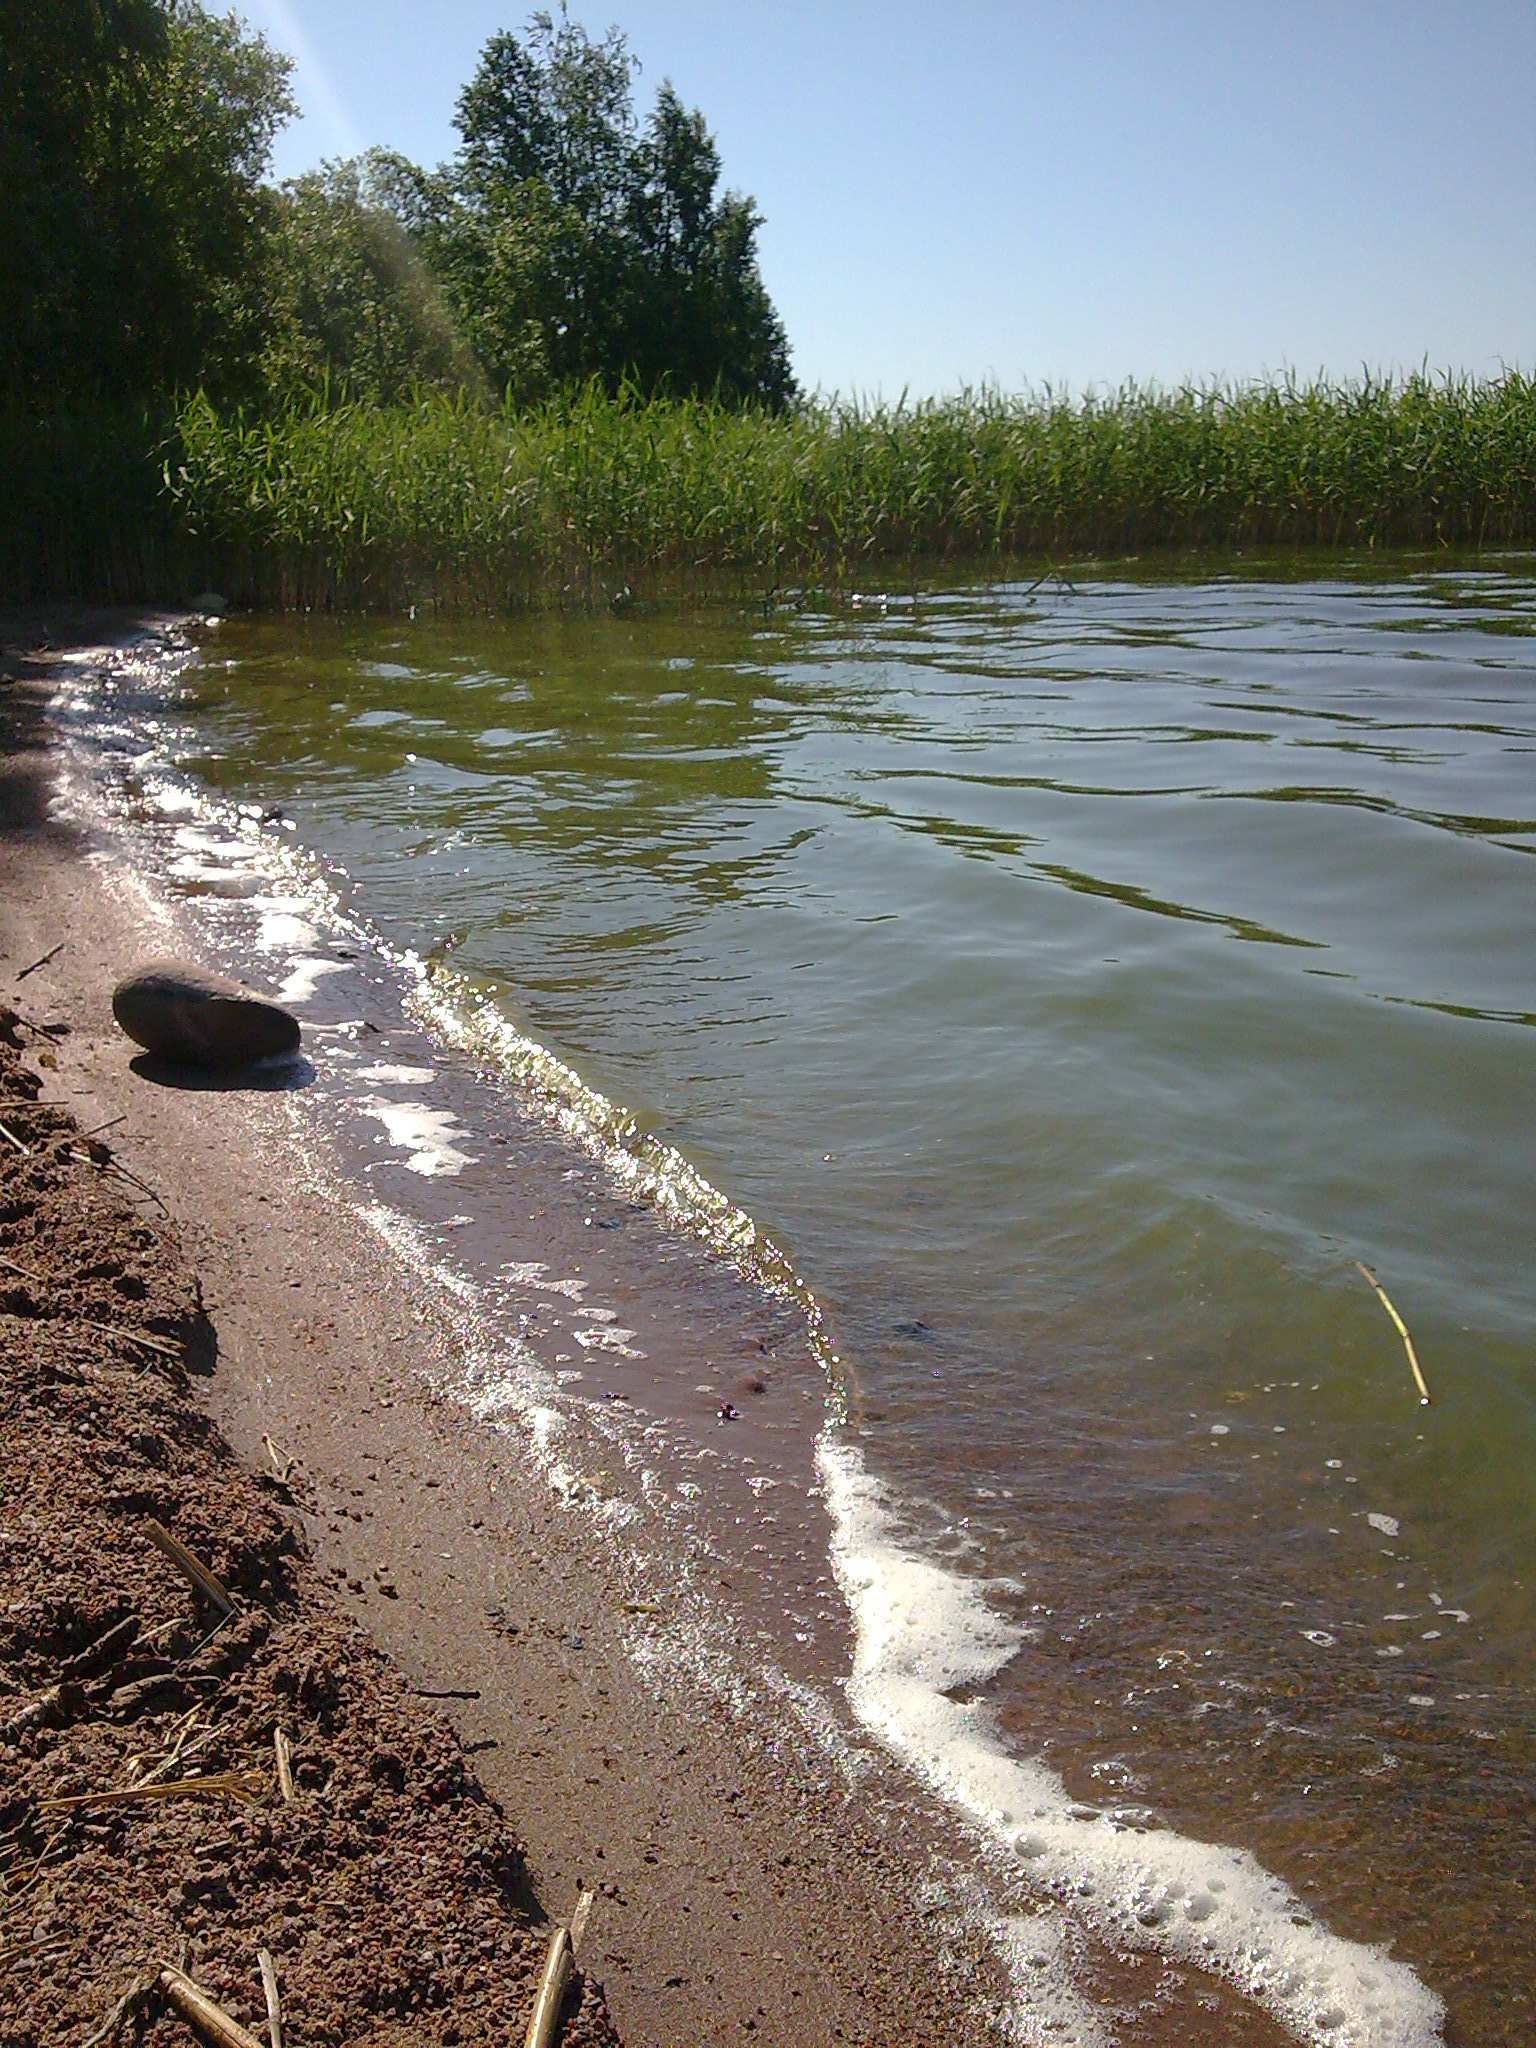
143, 1818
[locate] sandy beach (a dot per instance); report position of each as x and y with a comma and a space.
741, 1891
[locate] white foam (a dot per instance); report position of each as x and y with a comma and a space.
219, 846
383, 1072
215, 879
924, 1633
284, 928
305, 976
425, 1133
1387, 1524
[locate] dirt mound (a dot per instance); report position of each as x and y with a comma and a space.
389, 1890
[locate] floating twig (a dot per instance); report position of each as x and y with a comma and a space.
210, 1587
52, 953
1402, 1330
10, 1136
282, 1749
545, 2016
243, 1785
203, 2012
446, 1692
269, 1991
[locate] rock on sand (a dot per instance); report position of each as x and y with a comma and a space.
182, 1013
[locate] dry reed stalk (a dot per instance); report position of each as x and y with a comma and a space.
242, 1785
7, 1133
282, 1749
25, 1272
59, 1700
43, 962
137, 1990
155, 1344
203, 2012
19, 1951
545, 2017
1402, 1330
104, 1126
139, 1770
211, 1588
269, 1991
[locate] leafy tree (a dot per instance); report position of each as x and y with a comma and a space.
578, 247
133, 139
702, 318
351, 298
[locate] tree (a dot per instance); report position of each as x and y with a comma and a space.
580, 248
351, 297
134, 138
702, 318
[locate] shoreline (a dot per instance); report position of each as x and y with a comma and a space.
742, 1892
785, 1722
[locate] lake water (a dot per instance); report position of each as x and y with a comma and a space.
1077, 985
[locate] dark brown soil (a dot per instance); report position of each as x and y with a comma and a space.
390, 1892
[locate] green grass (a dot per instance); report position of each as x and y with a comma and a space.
446, 500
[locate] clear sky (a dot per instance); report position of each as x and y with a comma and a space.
1068, 192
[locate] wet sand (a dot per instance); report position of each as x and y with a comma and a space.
745, 1890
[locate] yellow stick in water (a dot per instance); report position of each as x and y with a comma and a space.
1402, 1330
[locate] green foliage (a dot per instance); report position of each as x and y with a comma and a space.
134, 139
574, 247
351, 300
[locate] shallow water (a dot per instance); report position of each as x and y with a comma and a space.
1075, 984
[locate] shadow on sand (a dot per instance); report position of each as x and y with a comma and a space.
281, 1076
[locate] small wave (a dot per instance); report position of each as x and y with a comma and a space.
923, 1636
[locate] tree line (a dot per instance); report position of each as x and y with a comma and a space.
566, 240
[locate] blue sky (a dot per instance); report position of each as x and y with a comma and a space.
1073, 193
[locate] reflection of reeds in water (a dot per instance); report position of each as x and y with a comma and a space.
450, 500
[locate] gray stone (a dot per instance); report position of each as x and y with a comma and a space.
198, 1019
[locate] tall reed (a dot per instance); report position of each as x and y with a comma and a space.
449, 500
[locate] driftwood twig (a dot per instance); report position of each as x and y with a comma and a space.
157, 1344
545, 2017
10, 1136
283, 1750
269, 1991
16, 1952
56, 1704
202, 2012
105, 1126
1401, 1327
211, 1588
52, 952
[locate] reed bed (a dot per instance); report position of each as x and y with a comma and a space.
447, 500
